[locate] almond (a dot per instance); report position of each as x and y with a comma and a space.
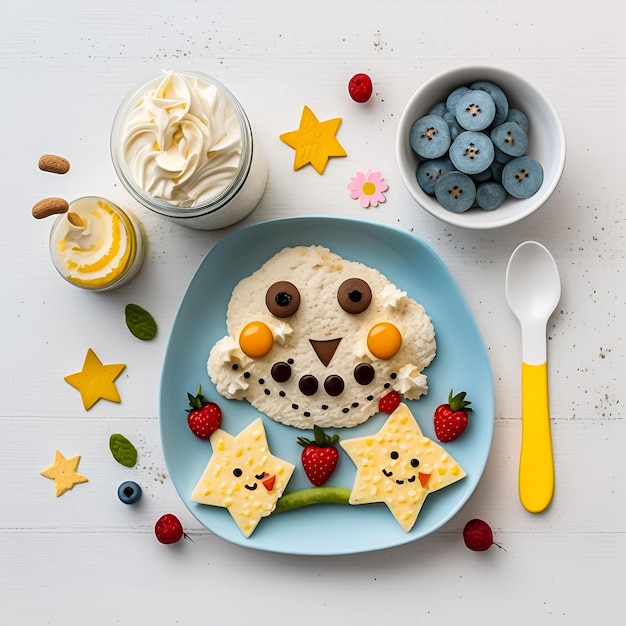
75, 219
54, 163
50, 206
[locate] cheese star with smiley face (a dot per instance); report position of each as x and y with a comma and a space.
399, 466
243, 476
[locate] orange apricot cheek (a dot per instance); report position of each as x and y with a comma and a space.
384, 340
256, 339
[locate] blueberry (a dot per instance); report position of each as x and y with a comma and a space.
482, 177
501, 157
475, 110
519, 117
439, 109
490, 195
455, 191
522, 176
129, 492
472, 152
498, 96
430, 170
496, 171
510, 137
430, 137
454, 127
454, 96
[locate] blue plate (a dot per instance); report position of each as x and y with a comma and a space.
461, 363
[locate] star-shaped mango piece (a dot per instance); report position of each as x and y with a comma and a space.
96, 381
243, 476
63, 473
399, 466
314, 141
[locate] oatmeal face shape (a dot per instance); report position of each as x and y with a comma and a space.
317, 339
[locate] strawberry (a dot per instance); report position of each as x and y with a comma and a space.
203, 417
451, 418
389, 402
319, 457
478, 535
168, 529
360, 87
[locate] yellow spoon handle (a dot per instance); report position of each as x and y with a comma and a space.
536, 470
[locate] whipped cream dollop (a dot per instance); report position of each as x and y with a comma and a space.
94, 244
410, 382
393, 297
183, 141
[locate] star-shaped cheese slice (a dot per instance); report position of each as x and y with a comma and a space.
314, 142
96, 381
399, 466
63, 473
243, 476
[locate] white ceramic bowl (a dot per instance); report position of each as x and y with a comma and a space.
546, 143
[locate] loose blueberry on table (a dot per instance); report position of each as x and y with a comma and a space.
129, 492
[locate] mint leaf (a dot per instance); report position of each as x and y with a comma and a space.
123, 451
140, 323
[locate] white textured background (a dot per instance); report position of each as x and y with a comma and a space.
84, 558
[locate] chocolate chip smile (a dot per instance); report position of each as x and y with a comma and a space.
398, 481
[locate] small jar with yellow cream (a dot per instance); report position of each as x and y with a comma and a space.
96, 245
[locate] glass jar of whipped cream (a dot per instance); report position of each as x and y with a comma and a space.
183, 146
96, 245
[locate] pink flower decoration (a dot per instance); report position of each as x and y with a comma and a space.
368, 188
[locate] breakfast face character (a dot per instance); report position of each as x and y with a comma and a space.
243, 476
315, 339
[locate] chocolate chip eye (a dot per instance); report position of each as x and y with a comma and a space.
237, 472
282, 299
364, 373
354, 295
414, 462
281, 372
394, 455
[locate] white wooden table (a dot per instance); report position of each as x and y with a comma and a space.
84, 558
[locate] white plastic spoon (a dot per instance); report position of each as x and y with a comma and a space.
533, 289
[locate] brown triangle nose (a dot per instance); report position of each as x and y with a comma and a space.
326, 349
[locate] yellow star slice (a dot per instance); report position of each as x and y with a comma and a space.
243, 476
96, 381
63, 473
399, 466
314, 142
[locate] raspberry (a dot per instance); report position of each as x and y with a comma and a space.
168, 529
478, 535
360, 88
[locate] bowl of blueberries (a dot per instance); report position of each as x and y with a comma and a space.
480, 147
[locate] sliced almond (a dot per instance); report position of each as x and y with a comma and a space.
54, 163
50, 206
